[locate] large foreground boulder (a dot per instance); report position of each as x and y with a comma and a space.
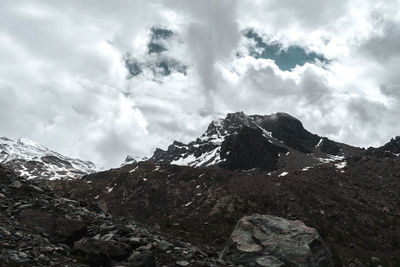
265, 240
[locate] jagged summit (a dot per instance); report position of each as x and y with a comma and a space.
265, 142
32, 160
392, 146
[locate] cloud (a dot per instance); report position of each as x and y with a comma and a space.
211, 34
65, 81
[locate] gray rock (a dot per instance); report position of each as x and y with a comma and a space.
16, 184
22, 255
164, 245
107, 237
35, 188
143, 260
182, 263
4, 231
19, 234
265, 240
375, 259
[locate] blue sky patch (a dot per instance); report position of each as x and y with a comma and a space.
285, 59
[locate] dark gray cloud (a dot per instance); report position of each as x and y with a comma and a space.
385, 44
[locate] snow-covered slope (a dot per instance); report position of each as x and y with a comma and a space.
242, 141
32, 160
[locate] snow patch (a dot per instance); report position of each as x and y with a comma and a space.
341, 165
283, 174
188, 204
134, 169
331, 158
206, 159
319, 143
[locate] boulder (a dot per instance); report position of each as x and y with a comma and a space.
59, 228
143, 260
98, 251
265, 240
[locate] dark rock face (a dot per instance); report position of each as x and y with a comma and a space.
223, 141
250, 149
291, 131
265, 240
330, 147
393, 146
56, 161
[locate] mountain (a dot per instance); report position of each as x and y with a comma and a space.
246, 142
32, 160
242, 166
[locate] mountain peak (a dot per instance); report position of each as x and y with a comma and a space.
238, 137
32, 160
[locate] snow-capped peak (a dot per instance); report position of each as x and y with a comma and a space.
32, 160
239, 137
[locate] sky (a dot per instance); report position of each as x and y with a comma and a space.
99, 79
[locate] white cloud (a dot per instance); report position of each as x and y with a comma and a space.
64, 84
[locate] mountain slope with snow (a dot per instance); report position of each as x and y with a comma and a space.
268, 143
31, 160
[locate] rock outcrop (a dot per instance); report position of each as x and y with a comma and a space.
265, 240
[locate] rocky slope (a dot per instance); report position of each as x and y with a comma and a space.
32, 160
266, 143
43, 227
353, 203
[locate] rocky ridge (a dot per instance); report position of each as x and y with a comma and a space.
266, 143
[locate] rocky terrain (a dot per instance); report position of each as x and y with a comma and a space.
265, 143
300, 199
354, 204
32, 160
43, 227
